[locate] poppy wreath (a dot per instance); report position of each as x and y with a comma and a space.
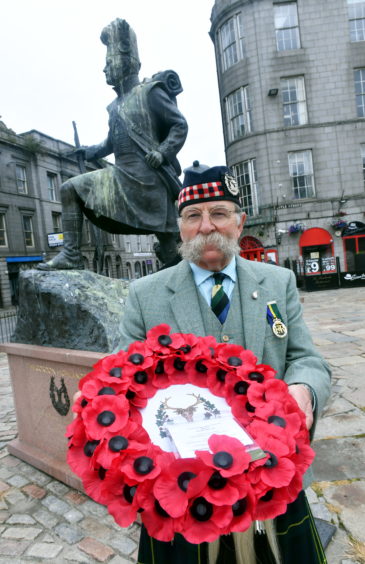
220, 490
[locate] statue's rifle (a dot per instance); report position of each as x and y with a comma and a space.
99, 249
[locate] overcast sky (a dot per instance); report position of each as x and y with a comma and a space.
52, 64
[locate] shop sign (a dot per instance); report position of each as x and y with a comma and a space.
315, 266
55, 239
352, 279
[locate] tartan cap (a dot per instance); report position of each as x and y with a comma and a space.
213, 184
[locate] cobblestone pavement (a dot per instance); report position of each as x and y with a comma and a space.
42, 520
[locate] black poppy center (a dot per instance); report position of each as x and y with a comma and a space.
116, 372
200, 367
101, 473
234, 361
160, 510
179, 364
164, 340
239, 507
185, 349
268, 496
118, 443
241, 388
223, 459
250, 408
201, 509
159, 367
272, 461
216, 481
89, 447
256, 377
221, 375
136, 358
184, 479
129, 492
277, 420
84, 402
141, 377
130, 395
106, 391
143, 465
106, 418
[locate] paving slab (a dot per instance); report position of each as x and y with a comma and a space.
347, 498
339, 459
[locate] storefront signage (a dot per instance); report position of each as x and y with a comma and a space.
315, 266
351, 279
55, 239
286, 206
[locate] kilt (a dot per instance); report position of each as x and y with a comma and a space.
297, 536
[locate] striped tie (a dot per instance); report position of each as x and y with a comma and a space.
220, 301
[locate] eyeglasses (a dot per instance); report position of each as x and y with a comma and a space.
217, 216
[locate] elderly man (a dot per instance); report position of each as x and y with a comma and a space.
254, 305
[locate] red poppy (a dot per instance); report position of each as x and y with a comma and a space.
228, 455
242, 510
131, 440
160, 341
109, 369
159, 523
145, 465
204, 522
277, 470
303, 454
220, 490
234, 356
125, 504
105, 415
178, 483
270, 503
197, 370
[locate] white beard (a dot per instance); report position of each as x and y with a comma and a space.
192, 250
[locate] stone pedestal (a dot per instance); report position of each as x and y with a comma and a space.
44, 380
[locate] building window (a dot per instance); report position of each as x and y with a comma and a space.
56, 222
360, 91
118, 266
128, 246
238, 113
21, 179
363, 162
356, 11
301, 172
139, 243
52, 186
245, 173
287, 26
108, 267
231, 41
3, 236
294, 103
113, 238
28, 231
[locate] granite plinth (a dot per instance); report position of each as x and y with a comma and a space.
44, 380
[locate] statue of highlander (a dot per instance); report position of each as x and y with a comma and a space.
146, 131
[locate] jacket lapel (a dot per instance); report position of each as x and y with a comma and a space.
254, 298
184, 302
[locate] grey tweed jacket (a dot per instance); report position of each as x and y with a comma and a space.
170, 296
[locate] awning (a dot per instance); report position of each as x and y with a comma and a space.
315, 236
24, 259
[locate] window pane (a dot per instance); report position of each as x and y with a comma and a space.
231, 41
246, 178
287, 27
301, 171
52, 186
28, 231
3, 239
238, 114
21, 179
359, 75
294, 102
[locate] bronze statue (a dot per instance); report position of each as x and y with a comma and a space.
146, 131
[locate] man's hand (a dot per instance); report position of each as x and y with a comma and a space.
302, 396
154, 159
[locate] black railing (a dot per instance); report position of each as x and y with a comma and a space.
8, 321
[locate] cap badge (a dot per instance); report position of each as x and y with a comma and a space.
231, 184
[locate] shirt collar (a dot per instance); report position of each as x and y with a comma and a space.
201, 274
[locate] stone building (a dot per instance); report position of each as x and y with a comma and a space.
292, 90
32, 169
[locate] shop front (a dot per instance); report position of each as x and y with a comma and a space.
320, 268
253, 249
353, 238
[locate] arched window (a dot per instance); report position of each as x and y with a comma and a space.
144, 268
118, 266
108, 267
129, 270
137, 270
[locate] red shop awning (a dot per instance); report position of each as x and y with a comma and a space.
315, 236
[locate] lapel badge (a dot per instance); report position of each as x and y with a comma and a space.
275, 321
254, 295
